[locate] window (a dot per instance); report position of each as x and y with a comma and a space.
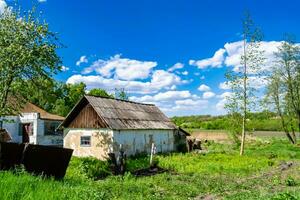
85, 141
26, 128
50, 128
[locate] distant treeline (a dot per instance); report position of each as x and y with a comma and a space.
260, 121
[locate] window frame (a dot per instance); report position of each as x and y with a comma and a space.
84, 138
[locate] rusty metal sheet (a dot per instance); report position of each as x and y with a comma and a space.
37, 159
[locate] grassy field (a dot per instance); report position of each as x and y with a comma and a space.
219, 174
222, 135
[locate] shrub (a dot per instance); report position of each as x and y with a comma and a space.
290, 181
91, 167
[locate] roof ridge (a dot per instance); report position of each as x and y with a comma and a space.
128, 101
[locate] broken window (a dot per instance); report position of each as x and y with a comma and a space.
51, 126
85, 141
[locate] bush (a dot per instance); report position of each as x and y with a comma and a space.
284, 196
91, 167
290, 181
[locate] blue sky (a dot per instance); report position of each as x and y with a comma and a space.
134, 44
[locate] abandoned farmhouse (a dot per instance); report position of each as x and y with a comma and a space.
35, 126
97, 126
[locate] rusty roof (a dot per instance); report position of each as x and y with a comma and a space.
31, 108
122, 114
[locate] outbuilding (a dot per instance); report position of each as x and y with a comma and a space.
33, 125
97, 126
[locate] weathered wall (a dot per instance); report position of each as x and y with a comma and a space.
14, 125
101, 142
42, 139
139, 141
12, 128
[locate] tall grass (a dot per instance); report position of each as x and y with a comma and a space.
219, 173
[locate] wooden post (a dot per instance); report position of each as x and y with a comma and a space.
152, 153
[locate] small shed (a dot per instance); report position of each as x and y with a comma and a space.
97, 126
34, 125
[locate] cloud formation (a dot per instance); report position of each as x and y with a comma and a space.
160, 79
176, 66
203, 88
215, 61
208, 95
3, 5
64, 68
82, 59
173, 102
121, 68
230, 56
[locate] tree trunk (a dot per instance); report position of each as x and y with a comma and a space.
244, 101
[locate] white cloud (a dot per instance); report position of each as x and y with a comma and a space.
160, 80
225, 85
42, 1
121, 68
230, 55
225, 95
215, 61
64, 68
176, 66
82, 59
208, 95
203, 88
185, 73
253, 82
164, 96
234, 51
220, 106
3, 5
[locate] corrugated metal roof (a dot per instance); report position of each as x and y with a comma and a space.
120, 114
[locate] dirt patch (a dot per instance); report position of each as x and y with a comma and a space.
149, 171
207, 135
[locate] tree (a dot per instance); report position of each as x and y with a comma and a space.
99, 93
242, 99
27, 51
283, 91
69, 95
121, 94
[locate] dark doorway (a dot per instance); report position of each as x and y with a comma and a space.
26, 132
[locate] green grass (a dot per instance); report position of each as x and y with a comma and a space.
221, 173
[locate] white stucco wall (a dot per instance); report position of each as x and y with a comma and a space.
101, 142
133, 141
139, 141
13, 126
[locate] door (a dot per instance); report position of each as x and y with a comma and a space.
26, 132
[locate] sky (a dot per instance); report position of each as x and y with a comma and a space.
170, 53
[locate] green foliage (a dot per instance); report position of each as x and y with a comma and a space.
91, 167
259, 121
99, 93
221, 173
290, 181
28, 50
121, 94
284, 196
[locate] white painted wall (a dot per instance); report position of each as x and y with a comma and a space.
13, 126
140, 141
133, 141
101, 142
